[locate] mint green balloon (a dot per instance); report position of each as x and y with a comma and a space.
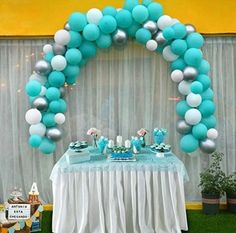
48, 56
73, 56
193, 57
108, 24
195, 40
130, 4
178, 64
48, 119
207, 108
180, 30
143, 35
209, 122
75, 40
208, 94
189, 143
199, 131
168, 33
35, 141
124, 18
63, 105
140, 13
88, 49
178, 46
71, 80
53, 93
182, 107
196, 87
77, 21
55, 106
91, 32
47, 146
104, 41
204, 80
56, 79
131, 31
109, 10
204, 67
155, 11
33, 88
71, 71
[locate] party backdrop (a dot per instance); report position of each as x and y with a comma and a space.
117, 92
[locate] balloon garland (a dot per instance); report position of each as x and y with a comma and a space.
74, 45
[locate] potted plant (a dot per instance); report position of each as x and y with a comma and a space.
211, 181
229, 186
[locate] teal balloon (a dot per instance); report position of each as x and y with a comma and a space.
208, 94
193, 57
189, 143
155, 11
63, 105
124, 18
53, 93
196, 87
48, 56
77, 21
131, 31
35, 141
143, 35
75, 40
109, 10
71, 80
48, 119
108, 24
83, 62
180, 30
204, 80
168, 33
209, 122
56, 79
88, 49
104, 41
178, 46
33, 88
71, 71
195, 40
204, 67
207, 108
182, 107
146, 2
178, 64
73, 56
47, 146
130, 4
91, 32
55, 106
199, 131
140, 13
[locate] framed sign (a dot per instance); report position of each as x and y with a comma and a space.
19, 211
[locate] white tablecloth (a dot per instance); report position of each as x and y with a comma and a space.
119, 201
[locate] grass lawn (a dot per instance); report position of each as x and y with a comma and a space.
197, 222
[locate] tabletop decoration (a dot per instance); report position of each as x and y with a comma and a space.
121, 153
159, 135
160, 149
94, 133
102, 144
141, 133
136, 144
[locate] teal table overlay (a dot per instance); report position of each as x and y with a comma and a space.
145, 160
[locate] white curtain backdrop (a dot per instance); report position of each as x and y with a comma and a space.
117, 92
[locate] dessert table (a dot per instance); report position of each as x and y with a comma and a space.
102, 196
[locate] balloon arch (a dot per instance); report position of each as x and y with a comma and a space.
179, 44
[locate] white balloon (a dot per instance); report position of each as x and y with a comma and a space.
164, 21
194, 100
58, 63
184, 87
33, 116
60, 118
38, 129
193, 116
177, 76
94, 15
43, 91
47, 48
62, 37
151, 45
212, 133
168, 55
41, 79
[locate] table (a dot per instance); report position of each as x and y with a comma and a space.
100, 196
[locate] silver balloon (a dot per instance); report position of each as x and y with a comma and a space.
208, 146
40, 103
67, 26
190, 73
120, 38
159, 38
190, 28
42, 67
62, 91
182, 127
151, 26
58, 49
54, 134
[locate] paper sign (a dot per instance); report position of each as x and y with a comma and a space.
19, 211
